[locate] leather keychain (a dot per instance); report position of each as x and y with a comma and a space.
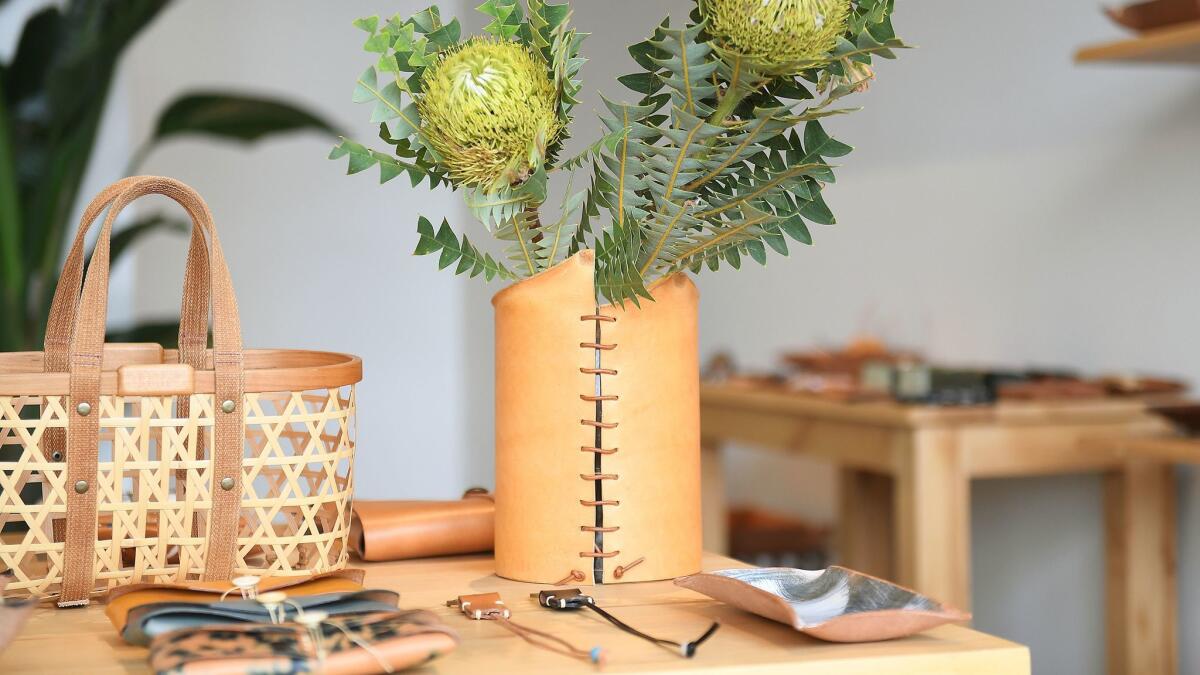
489, 607
572, 598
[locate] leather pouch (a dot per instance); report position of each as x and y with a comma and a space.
597, 431
353, 645
399, 530
147, 621
123, 599
835, 604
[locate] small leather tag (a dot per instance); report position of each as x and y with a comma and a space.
482, 606
161, 379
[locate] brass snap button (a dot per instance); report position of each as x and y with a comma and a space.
81, 486
228, 405
227, 483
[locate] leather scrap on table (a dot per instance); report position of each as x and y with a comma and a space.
13, 614
362, 643
400, 530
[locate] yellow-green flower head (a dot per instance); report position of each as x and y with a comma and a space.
488, 107
777, 34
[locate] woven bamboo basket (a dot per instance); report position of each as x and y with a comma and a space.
124, 463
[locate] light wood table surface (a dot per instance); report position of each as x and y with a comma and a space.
905, 474
83, 641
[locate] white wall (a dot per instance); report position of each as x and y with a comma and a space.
1004, 206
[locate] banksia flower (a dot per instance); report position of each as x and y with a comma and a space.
777, 35
488, 108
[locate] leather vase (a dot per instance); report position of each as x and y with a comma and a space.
597, 431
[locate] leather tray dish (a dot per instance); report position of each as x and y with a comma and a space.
836, 604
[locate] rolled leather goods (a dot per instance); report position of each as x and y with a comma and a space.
597, 431
363, 643
123, 599
399, 530
145, 622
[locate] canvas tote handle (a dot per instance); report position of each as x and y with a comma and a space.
85, 361
193, 325
193, 321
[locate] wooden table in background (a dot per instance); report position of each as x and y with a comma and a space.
905, 473
83, 641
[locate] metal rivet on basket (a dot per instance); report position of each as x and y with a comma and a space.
84, 409
228, 405
81, 486
56, 456
227, 483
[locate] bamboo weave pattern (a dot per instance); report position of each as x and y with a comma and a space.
154, 492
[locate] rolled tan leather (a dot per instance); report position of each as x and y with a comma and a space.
546, 447
399, 530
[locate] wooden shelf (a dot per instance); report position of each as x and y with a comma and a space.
1175, 44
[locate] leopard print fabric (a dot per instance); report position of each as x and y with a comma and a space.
288, 648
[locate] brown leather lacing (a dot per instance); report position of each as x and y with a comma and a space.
622, 569
575, 575
598, 397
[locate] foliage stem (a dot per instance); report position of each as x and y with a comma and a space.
10, 232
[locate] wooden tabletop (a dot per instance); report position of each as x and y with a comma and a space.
737, 397
82, 640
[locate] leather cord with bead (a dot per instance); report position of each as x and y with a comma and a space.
572, 598
490, 607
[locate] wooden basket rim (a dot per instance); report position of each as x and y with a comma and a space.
266, 370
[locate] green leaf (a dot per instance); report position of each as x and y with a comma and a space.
161, 331
232, 117
450, 248
370, 24
426, 240
796, 229
820, 144
125, 237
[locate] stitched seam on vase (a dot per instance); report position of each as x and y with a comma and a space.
599, 424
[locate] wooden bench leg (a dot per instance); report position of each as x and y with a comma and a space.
1139, 511
933, 518
864, 532
714, 502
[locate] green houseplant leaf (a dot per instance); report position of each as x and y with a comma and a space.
231, 117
